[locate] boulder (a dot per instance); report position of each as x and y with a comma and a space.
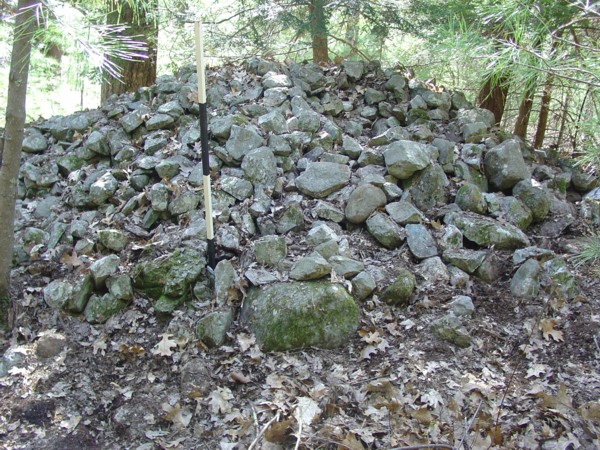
399, 292
505, 166
363, 201
404, 158
323, 178
487, 232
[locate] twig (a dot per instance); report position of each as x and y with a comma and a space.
299, 437
418, 447
267, 425
470, 424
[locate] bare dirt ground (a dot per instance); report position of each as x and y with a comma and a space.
529, 380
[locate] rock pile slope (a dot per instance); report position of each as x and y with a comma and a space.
339, 194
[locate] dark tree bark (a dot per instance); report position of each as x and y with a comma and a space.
524, 113
10, 147
142, 27
318, 31
493, 95
540, 133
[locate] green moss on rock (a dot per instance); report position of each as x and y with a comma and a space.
399, 292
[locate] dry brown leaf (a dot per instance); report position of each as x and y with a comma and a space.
131, 352
163, 348
350, 442
180, 417
280, 432
548, 331
72, 261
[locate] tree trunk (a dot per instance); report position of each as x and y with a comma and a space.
10, 148
318, 32
524, 112
142, 26
493, 95
540, 133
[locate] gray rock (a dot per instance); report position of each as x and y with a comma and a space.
526, 280
322, 178
167, 168
98, 143
346, 267
134, 119
452, 238
306, 120
160, 122
228, 237
273, 122
558, 280
461, 305
273, 79
241, 141
459, 101
385, 230
289, 316
428, 189
418, 102
420, 241
470, 198
474, 132
354, 69
490, 269
270, 250
363, 201
310, 267
458, 278
113, 239
466, 260
370, 156
185, 202
34, 142
404, 158
212, 328
471, 175
327, 211
541, 254
100, 308
450, 328
373, 96
159, 197
487, 232
103, 189
260, 166
103, 268
363, 285
58, 293
328, 249
399, 292
474, 115
172, 108
537, 199
275, 97
120, 287
292, 219
505, 166
396, 84
226, 281
404, 212
50, 345
239, 188
433, 270
510, 209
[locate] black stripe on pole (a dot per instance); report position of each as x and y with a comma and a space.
210, 241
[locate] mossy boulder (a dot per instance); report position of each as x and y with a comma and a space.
487, 232
289, 316
100, 308
170, 277
399, 292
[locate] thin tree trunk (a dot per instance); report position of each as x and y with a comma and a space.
563, 121
10, 150
142, 27
318, 32
524, 112
540, 133
493, 95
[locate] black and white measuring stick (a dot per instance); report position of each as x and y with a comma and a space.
210, 237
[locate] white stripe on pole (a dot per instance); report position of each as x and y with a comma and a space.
200, 63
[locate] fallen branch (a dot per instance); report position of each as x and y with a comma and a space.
263, 430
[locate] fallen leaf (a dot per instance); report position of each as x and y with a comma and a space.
548, 331
71, 260
280, 432
163, 348
219, 400
536, 370
307, 410
180, 417
350, 443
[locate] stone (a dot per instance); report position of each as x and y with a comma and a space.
292, 219
474, 115
273, 79
273, 122
103, 189
487, 232
505, 166
50, 345
403, 212
167, 169
58, 293
327, 211
363, 201
328, 249
120, 287
270, 250
34, 142
113, 239
373, 96
471, 175
100, 308
363, 285
433, 271
404, 158
474, 132
319, 234
510, 209
82, 291
238, 188
399, 292
322, 178
351, 147
212, 328
260, 166
310, 267
385, 230
241, 141
345, 267
396, 83
490, 269
103, 268
470, 198
526, 280
133, 120
228, 237
354, 69
450, 329
292, 316
420, 242
461, 305
466, 260
557, 279
275, 96
160, 122
185, 202
451, 238
537, 199
428, 189
458, 278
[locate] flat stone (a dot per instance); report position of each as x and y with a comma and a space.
322, 178
363, 201
385, 230
310, 267
404, 158
420, 241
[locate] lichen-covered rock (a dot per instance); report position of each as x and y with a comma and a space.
385, 230
363, 285
487, 232
310, 267
270, 250
260, 167
470, 198
537, 199
290, 316
212, 328
505, 166
363, 201
558, 280
57, 293
428, 188
226, 282
323, 178
100, 308
526, 280
404, 158
450, 328
103, 268
241, 141
103, 189
399, 292
345, 267
420, 241
510, 209
113, 239
404, 212
466, 260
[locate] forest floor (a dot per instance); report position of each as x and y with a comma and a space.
530, 379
